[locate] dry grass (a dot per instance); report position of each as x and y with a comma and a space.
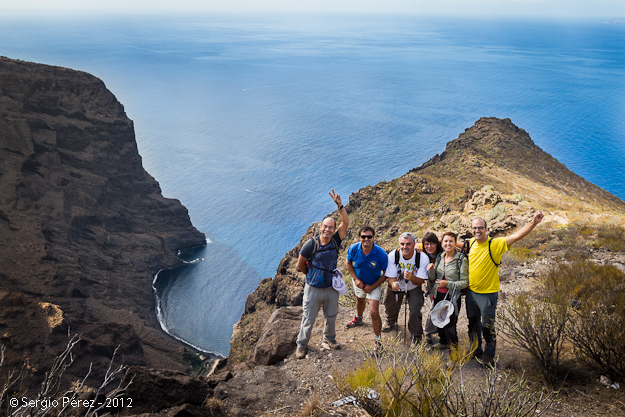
312, 408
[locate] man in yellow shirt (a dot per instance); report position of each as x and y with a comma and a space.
481, 302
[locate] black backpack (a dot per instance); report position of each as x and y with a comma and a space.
416, 261
316, 243
466, 248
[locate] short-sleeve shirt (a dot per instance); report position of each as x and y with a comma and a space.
393, 270
320, 268
483, 273
369, 268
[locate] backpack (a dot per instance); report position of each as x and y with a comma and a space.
416, 261
316, 243
466, 248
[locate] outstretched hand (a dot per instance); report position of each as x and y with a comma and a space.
538, 217
336, 198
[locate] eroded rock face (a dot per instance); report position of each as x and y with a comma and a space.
278, 339
83, 227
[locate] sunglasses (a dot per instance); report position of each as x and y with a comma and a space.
366, 236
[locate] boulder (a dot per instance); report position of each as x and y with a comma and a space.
153, 390
256, 390
277, 341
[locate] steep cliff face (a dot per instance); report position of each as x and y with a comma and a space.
83, 228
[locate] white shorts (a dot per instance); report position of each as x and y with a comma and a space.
373, 295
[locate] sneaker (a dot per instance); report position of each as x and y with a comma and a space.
388, 327
356, 322
440, 346
377, 347
332, 343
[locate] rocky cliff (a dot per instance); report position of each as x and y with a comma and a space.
83, 227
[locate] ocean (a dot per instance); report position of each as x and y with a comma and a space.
250, 120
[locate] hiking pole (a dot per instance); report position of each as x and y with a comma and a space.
405, 314
396, 301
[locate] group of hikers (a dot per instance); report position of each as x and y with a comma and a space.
441, 269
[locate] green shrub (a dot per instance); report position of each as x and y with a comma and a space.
521, 253
408, 218
597, 323
408, 381
612, 237
416, 382
538, 327
496, 213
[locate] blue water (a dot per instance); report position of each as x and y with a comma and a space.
249, 121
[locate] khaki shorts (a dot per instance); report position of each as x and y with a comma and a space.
373, 295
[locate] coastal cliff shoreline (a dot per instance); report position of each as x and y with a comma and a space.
83, 227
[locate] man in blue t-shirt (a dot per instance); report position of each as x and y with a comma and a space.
366, 263
318, 266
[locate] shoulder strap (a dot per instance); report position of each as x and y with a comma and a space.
491, 255
466, 247
459, 262
416, 261
315, 248
438, 260
316, 244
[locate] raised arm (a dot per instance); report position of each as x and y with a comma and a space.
342, 212
525, 230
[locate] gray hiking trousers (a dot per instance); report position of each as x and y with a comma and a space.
315, 299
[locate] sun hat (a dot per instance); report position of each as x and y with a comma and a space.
337, 282
441, 313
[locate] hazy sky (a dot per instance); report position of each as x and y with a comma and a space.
546, 8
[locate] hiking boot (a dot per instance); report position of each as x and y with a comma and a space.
477, 353
487, 362
356, 322
300, 353
388, 327
429, 339
416, 340
332, 343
